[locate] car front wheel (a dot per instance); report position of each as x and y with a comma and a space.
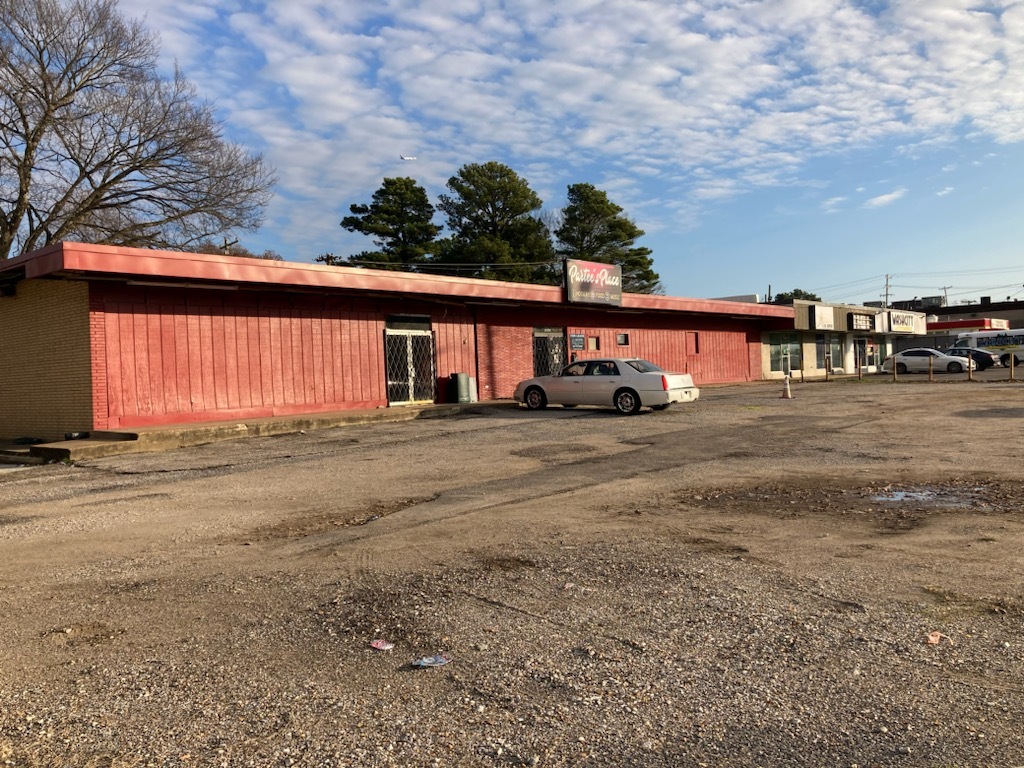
901, 368
535, 399
627, 402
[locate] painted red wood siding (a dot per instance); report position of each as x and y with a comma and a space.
169, 356
455, 347
165, 355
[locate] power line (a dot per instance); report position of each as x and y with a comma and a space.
452, 264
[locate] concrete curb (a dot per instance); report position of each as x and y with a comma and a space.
154, 439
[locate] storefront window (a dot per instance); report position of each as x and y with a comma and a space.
784, 349
867, 352
830, 345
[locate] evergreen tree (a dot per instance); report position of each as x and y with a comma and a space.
786, 297
400, 222
496, 233
593, 228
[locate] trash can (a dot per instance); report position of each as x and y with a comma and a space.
459, 388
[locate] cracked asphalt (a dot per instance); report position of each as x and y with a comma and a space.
833, 580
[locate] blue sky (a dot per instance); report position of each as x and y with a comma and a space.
814, 144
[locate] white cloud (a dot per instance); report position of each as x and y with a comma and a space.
881, 201
692, 103
944, 191
833, 204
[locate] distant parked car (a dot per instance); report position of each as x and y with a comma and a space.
917, 360
982, 357
627, 384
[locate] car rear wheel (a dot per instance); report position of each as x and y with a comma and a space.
627, 402
901, 368
955, 368
535, 399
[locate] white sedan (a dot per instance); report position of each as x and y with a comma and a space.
921, 358
628, 384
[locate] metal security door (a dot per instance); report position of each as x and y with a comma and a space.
549, 353
409, 357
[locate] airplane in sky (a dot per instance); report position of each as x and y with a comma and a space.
406, 158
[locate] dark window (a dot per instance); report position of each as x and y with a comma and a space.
602, 368
407, 322
645, 366
622, 339
576, 369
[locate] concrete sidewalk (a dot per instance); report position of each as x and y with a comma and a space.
145, 439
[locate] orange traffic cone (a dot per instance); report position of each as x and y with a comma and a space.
787, 394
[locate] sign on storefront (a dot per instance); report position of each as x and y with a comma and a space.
902, 322
861, 322
822, 318
590, 282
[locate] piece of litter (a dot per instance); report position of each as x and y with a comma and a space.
382, 645
432, 661
934, 638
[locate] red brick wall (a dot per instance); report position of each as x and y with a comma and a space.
725, 350
505, 352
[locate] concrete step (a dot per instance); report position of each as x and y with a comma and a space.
100, 444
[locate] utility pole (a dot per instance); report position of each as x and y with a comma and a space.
945, 294
885, 302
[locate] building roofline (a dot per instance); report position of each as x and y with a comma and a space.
82, 261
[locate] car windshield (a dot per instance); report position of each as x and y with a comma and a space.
644, 366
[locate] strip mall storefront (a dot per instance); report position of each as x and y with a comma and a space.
102, 338
838, 339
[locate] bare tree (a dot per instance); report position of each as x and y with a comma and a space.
96, 146
232, 248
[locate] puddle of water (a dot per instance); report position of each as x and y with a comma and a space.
932, 498
905, 496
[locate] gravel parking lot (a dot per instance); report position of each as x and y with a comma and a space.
832, 580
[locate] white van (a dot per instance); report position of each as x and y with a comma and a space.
1003, 343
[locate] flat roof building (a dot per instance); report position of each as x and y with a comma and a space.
102, 337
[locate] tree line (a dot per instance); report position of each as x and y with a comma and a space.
97, 146
497, 231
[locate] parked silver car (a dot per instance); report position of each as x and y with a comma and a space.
922, 359
625, 383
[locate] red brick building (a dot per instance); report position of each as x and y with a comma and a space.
99, 337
